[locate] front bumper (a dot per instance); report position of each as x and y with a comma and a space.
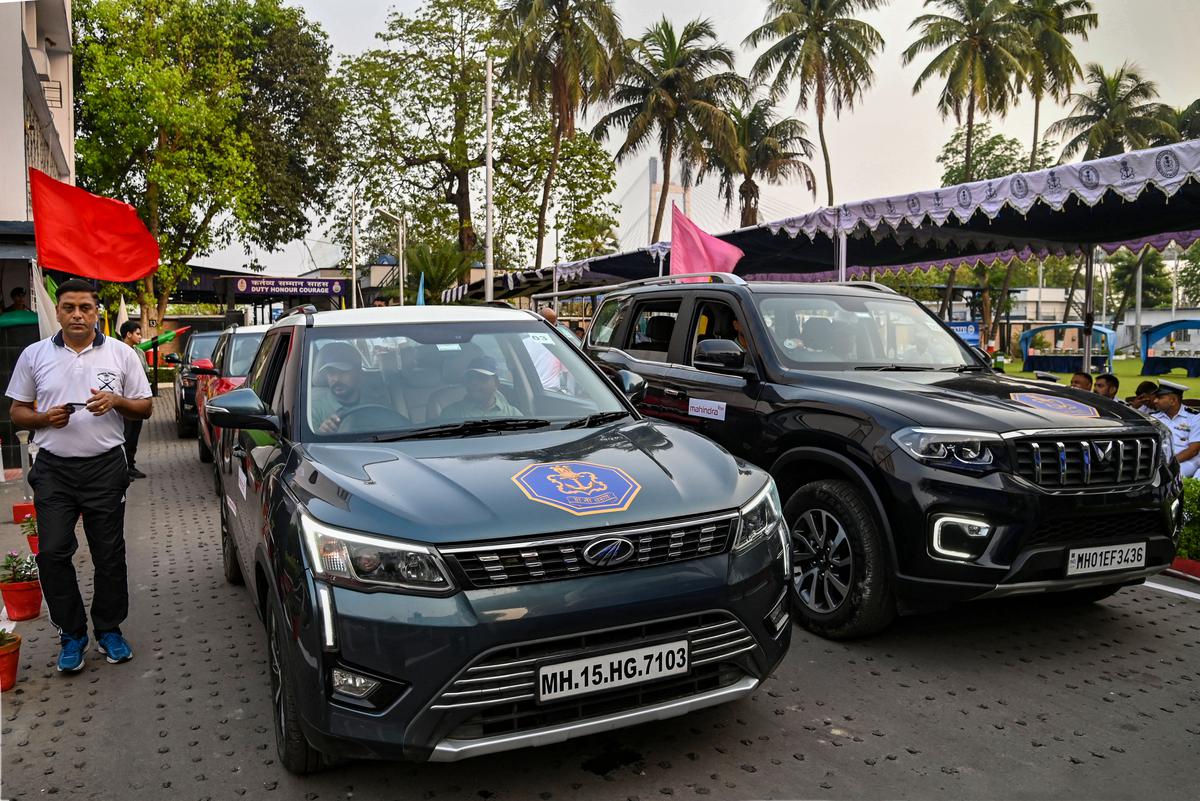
451, 667
1033, 531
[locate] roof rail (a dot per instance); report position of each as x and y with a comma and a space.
875, 285
717, 278
307, 309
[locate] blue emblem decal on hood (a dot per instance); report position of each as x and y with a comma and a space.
580, 488
1053, 403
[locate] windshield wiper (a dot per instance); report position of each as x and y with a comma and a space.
964, 368
894, 367
598, 419
464, 428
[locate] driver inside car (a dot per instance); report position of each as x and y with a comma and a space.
339, 368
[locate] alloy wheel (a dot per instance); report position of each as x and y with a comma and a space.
823, 561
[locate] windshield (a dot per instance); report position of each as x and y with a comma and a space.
244, 348
826, 332
393, 381
201, 346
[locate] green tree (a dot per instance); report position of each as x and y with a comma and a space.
1050, 64
822, 48
214, 119
766, 147
566, 53
1122, 282
1189, 275
980, 47
675, 88
1184, 123
1117, 113
442, 264
994, 155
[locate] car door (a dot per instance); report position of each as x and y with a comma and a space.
647, 333
721, 406
253, 452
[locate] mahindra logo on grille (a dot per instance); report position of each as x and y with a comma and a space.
1103, 451
608, 551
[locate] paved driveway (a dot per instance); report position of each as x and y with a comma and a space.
1000, 700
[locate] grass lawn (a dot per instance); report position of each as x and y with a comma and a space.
1129, 372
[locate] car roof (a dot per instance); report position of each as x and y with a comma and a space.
384, 315
248, 329
851, 288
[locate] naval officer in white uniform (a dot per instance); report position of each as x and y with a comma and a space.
1184, 425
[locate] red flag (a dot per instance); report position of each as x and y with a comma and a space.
694, 251
88, 235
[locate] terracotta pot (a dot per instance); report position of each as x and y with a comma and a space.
32, 539
10, 657
22, 599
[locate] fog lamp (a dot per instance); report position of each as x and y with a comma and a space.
959, 538
352, 684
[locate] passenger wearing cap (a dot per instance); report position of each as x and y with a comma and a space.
1185, 426
483, 400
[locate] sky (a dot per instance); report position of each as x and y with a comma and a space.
886, 145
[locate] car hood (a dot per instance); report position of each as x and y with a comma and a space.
979, 401
496, 487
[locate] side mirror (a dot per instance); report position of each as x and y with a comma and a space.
242, 409
632, 385
720, 356
203, 367
172, 358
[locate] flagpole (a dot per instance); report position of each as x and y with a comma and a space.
489, 268
354, 250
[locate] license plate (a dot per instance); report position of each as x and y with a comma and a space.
1105, 558
595, 673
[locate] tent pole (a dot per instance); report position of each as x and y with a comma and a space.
841, 255
1088, 307
1137, 317
555, 268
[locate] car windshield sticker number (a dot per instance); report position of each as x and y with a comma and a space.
540, 338
1053, 403
449, 347
242, 481
581, 488
710, 410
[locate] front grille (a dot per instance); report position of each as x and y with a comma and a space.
504, 564
1084, 530
1076, 462
508, 675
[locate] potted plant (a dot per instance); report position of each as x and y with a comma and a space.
29, 527
10, 657
19, 586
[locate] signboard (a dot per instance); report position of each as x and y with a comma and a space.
263, 286
968, 332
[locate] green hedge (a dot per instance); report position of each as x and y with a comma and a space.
1189, 540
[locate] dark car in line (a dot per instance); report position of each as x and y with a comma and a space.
911, 474
225, 372
464, 539
199, 346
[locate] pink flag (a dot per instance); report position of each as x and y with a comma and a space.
694, 251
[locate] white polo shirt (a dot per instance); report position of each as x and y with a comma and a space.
50, 374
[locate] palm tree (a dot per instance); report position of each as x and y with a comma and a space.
1117, 113
1050, 64
441, 263
1184, 121
675, 89
766, 147
565, 52
820, 46
980, 48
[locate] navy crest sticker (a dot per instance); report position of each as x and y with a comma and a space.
1053, 403
1053, 182
1167, 164
964, 197
1126, 170
581, 488
1020, 186
869, 211
1089, 176
914, 204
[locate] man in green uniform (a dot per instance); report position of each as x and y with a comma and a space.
483, 400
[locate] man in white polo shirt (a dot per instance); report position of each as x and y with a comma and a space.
75, 391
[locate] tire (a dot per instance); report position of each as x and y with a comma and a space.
841, 585
1085, 595
231, 567
206, 454
295, 753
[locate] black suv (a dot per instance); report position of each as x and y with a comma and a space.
911, 474
199, 348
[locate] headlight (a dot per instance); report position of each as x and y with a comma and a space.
337, 554
1166, 443
977, 451
760, 518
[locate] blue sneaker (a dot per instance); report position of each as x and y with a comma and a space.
70, 658
113, 645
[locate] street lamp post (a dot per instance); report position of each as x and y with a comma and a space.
488, 256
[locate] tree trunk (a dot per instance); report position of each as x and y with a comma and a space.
748, 192
468, 240
824, 148
948, 298
668, 152
985, 305
1033, 149
546, 189
1001, 303
968, 173
1071, 291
